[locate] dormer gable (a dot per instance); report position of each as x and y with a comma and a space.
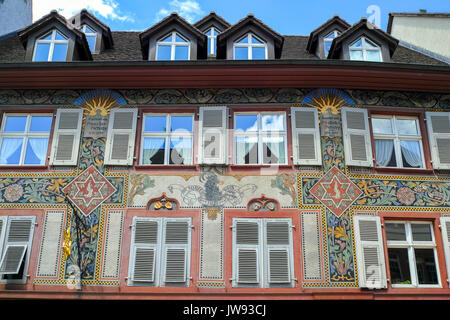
169, 25
212, 20
249, 25
53, 28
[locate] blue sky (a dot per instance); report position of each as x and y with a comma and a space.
297, 17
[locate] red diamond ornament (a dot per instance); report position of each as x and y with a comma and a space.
336, 191
89, 190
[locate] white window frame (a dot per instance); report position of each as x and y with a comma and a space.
173, 44
25, 135
262, 253
335, 33
396, 137
250, 46
410, 244
52, 42
212, 39
364, 48
88, 34
160, 248
260, 135
167, 136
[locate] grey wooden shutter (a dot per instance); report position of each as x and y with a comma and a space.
18, 242
176, 249
247, 249
66, 137
369, 252
213, 145
445, 229
278, 248
121, 137
357, 144
144, 250
306, 136
438, 124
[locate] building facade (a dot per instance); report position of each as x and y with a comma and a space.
219, 161
14, 15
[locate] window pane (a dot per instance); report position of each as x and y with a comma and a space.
330, 35
407, 126
327, 45
59, 36
426, 266
357, 44
181, 52
88, 29
155, 124
91, 42
240, 53
181, 123
384, 153
399, 265
179, 39
274, 150
153, 150
164, 52
272, 122
258, 53
59, 52
421, 232
244, 40
395, 231
369, 44
213, 44
47, 37
373, 56
246, 150
255, 40
382, 125
15, 124
180, 151
41, 124
42, 50
11, 150
411, 156
247, 122
356, 55
36, 151
209, 46
167, 39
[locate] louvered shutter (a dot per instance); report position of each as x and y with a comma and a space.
278, 244
3, 223
121, 137
144, 250
212, 145
306, 136
445, 229
17, 245
357, 145
176, 250
66, 137
247, 243
438, 124
369, 252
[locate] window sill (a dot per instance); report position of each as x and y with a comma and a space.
25, 167
403, 170
165, 167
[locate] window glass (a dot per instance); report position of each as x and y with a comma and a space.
15, 124
91, 42
40, 124
255, 40
11, 150
407, 126
399, 266
395, 231
246, 122
179, 39
258, 53
153, 150
181, 52
89, 30
59, 36
164, 52
47, 37
36, 151
59, 52
172, 47
357, 44
167, 39
426, 266
272, 122
180, 123
385, 153
155, 124
181, 151
421, 232
243, 40
273, 149
411, 155
382, 125
373, 56
356, 55
241, 53
41, 53
246, 150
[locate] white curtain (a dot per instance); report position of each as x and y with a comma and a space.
246, 147
9, 147
151, 147
276, 146
39, 147
383, 151
411, 153
181, 151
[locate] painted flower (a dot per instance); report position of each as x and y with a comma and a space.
406, 196
13, 192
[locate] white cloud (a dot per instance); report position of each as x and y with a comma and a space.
188, 9
67, 8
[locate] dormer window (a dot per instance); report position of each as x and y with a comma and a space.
51, 47
212, 40
250, 48
328, 40
91, 36
173, 47
365, 50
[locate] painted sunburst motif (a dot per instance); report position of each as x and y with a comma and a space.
327, 100
99, 101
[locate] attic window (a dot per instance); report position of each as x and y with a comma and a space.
51, 47
212, 39
365, 50
327, 40
250, 48
91, 36
173, 47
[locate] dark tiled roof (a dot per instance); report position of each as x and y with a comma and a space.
405, 55
11, 49
294, 47
127, 47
